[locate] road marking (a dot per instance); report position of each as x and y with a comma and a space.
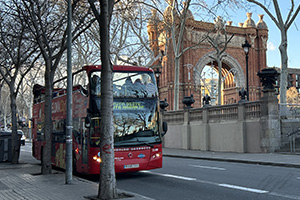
180, 177
284, 196
227, 185
208, 167
244, 188
172, 176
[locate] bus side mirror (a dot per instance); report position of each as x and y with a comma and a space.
165, 128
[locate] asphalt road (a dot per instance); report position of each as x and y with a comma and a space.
209, 180
197, 179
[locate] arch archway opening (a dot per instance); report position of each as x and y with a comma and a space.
208, 80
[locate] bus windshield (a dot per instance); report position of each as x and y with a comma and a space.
135, 123
135, 109
127, 84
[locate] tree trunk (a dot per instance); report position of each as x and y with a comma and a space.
219, 80
283, 26
176, 83
107, 182
15, 138
46, 152
284, 65
177, 38
283, 73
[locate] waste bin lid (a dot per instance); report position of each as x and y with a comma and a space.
5, 133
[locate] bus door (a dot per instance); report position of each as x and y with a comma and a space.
79, 146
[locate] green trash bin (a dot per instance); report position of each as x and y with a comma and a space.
5, 146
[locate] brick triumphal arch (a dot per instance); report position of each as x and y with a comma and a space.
193, 62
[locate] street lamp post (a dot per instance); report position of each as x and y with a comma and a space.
246, 47
69, 122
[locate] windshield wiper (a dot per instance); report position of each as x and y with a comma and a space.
149, 145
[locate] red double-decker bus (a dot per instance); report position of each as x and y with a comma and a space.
138, 128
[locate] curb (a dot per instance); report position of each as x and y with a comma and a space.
254, 162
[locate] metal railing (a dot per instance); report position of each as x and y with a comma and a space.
293, 135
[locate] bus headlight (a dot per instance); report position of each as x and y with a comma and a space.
97, 158
156, 155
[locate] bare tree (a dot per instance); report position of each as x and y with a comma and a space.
128, 37
129, 42
177, 44
219, 42
107, 182
107, 186
283, 26
86, 47
25, 97
175, 22
18, 56
48, 26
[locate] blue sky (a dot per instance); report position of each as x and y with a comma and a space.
273, 54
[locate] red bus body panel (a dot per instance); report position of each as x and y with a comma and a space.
127, 159
131, 159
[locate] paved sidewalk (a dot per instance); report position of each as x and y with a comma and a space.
275, 159
23, 181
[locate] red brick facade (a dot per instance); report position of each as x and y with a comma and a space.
233, 64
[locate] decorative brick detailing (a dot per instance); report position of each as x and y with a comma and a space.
233, 64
